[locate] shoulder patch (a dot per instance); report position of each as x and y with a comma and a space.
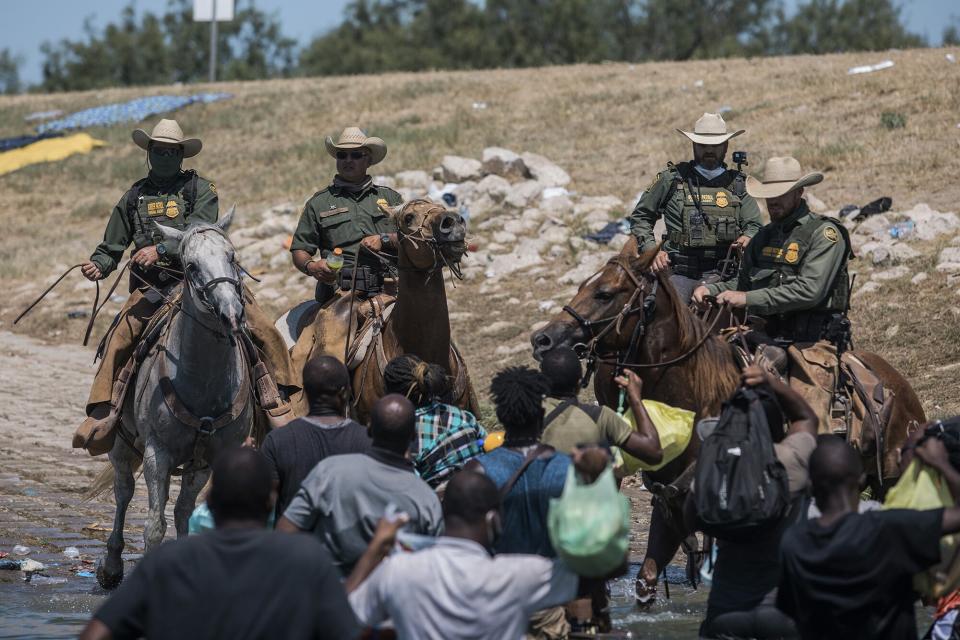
655, 181
830, 233
383, 204
213, 188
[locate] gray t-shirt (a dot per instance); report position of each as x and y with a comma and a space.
345, 496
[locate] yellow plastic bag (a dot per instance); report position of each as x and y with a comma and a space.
921, 488
675, 427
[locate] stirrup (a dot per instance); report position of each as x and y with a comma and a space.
268, 394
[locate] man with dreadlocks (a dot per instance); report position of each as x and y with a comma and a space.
447, 436
528, 474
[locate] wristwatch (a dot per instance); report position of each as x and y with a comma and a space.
161, 250
384, 239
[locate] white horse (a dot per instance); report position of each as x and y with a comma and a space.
192, 394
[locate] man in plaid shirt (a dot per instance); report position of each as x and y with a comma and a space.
447, 436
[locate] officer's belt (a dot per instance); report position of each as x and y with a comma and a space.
800, 327
694, 262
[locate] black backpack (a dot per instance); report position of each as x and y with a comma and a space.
741, 487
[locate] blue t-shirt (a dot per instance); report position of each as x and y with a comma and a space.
525, 509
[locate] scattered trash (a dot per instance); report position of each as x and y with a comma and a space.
78, 313
86, 574
605, 235
9, 565
479, 106
724, 109
870, 68
31, 566
3, 554
698, 83
902, 230
30, 491
132, 111
546, 306
96, 526
553, 192
48, 150
71, 552
32, 579
21, 550
43, 115
951, 58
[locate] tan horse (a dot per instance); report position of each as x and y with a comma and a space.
430, 239
629, 315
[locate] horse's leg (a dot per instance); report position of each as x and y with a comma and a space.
156, 473
124, 461
662, 545
190, 486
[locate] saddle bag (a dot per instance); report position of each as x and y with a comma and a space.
741, 487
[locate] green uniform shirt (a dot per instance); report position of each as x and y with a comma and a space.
736, 215
336, 217
781, 275
165, 206
574, 427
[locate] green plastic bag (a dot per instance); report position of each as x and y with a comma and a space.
921, 488
674, 427
589, 525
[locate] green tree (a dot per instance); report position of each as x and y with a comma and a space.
951, 36
829, 26
9, 72
169, 48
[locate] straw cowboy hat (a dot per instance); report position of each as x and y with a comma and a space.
710, 129
354, 138
168, 131
780, 176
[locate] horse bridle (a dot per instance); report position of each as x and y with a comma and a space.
203, 291
417, 234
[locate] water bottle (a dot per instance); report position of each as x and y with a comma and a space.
902, 230
335, 259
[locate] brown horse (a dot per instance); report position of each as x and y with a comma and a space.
430, 239
625, 314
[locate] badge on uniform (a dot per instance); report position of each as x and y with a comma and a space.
172, 210
830, 233
213, 188
383, 204
722, 199
793, 253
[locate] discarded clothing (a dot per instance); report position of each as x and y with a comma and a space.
47, 151
132, 111
605, 235
7, 144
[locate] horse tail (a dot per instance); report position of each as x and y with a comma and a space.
103, 482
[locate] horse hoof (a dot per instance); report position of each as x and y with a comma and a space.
646, 594
109, 579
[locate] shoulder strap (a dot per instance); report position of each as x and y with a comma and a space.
133, 195
190, 192
539, 451
557, 410
677, 178
592, 410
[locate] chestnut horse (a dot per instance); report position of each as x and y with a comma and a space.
625, 314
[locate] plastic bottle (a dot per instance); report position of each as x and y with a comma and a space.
902, 230
71, 552
335, 259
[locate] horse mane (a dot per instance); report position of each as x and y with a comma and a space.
196, 229
714, 375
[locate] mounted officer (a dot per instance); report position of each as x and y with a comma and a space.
351, 212
172, 197
705, 207
794, 277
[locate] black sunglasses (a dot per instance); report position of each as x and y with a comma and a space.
353, 155
165, 152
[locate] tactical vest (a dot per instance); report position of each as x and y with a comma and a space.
710, 215
145, 212
786, 259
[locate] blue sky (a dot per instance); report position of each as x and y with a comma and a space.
30, 23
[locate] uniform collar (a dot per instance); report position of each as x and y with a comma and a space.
340, 190
166, 186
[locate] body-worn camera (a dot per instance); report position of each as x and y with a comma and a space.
740, 157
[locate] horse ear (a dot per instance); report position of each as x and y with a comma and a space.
639, 261
169, 233
225, 222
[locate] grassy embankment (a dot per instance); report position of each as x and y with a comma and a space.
611, 126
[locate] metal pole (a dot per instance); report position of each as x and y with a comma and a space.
213, 43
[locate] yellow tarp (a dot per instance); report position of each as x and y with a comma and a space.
49, 150
674, 426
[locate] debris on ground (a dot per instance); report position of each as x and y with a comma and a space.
870, 68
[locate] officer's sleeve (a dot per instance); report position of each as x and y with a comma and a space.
116, 238
750, 217
307, 236
740, 282
647, 212
206, 208
817, 272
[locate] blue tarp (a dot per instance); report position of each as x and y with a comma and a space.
6, 144
605, 235
132, 111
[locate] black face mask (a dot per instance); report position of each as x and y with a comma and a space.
165, 166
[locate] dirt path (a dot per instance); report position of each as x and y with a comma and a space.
42, 479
